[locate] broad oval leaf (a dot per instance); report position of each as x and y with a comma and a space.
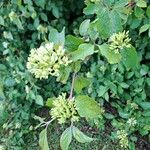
84, 27
130, 58
87, 107
80, 136
43, 140
66, 138
82, 52
145, 105
80, 83
110, 55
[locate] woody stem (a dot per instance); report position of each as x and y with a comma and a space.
72, 86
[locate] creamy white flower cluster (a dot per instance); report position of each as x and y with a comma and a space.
123, 139
132, 122
119, 41
47, 60
64, 109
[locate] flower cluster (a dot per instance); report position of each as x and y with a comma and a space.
47, 60
119, 41
122, 136
64, 109
132, 122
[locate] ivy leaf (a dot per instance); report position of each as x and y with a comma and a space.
82, 52
43, 140
80, 136
84, 27
80, 83
129, 57
72, 43
87, 107
66, 139
111, 56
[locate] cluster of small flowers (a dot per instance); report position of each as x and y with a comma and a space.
64, 109
119, 41
47, 60
2, 147
132, 122
122, 136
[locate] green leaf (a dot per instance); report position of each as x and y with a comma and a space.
76, 66
139, 13
111, 56
49, 102
80, 83
1, 21
144, 28
72, 43
109, 22
56, 37
64, 74
109, 116
87, 107
39, 100
43, 140
123, 114
66, 138
124, 85
145, 105
101, 90
146, 113
141, 3
90, 9
82, 52
148, 11
130, 58
83, 29
80, 136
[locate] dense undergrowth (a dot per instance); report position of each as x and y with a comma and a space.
120, 85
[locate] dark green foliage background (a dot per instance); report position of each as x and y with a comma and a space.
111, 85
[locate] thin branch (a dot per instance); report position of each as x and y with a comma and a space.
72, 86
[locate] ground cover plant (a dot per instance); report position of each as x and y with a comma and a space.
75, 74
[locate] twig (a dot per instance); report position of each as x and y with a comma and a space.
72, 86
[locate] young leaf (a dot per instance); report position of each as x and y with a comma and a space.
49, 102
87, 107
82, 52
66, 138
84, 27
43, 140
80, 83
80, 136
